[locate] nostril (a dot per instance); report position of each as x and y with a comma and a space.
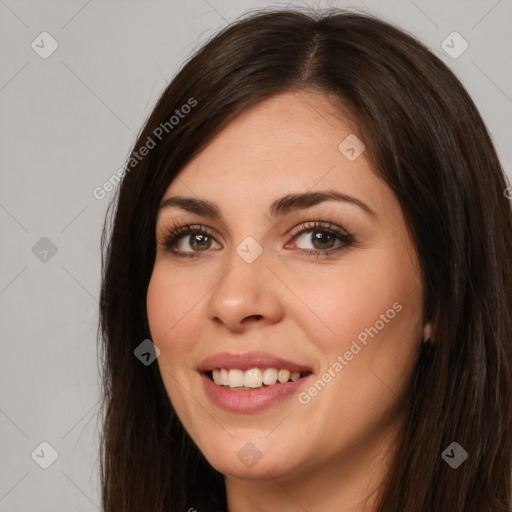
253, 317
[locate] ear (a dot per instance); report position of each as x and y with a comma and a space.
427, 331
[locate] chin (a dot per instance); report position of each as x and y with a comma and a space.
250, 460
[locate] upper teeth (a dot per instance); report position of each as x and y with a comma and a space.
253, 378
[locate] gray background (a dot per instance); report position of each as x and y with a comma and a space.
67, 124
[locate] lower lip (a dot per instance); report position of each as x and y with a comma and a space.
250, 400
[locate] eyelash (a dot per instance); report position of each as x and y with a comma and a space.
176, 231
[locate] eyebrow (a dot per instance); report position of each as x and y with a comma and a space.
278, 208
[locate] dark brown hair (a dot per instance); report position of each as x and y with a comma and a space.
428, 142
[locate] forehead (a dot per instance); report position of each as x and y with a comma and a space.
306, 122
288, 143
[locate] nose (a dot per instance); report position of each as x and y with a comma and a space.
246, 296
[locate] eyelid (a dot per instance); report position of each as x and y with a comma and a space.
176, 225
318, 224
172, 231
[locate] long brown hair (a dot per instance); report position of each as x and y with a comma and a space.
428, 142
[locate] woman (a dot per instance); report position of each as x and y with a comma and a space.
314, 239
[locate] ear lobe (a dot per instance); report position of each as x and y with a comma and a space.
427, 331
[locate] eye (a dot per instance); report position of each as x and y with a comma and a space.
323, 237
191, 240
198, 237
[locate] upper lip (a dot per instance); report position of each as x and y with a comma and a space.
249, 360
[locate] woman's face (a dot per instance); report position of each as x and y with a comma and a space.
329, 290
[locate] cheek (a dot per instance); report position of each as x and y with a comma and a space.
381, 311
172, 311
170, 303
341, 304
370, 312
371, 318
172, 317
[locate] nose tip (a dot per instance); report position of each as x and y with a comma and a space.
242, 300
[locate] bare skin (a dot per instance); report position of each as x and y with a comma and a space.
324, 451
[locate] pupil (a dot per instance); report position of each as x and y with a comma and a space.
322, 237
198, 237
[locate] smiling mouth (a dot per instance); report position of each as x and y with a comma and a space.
253, 378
